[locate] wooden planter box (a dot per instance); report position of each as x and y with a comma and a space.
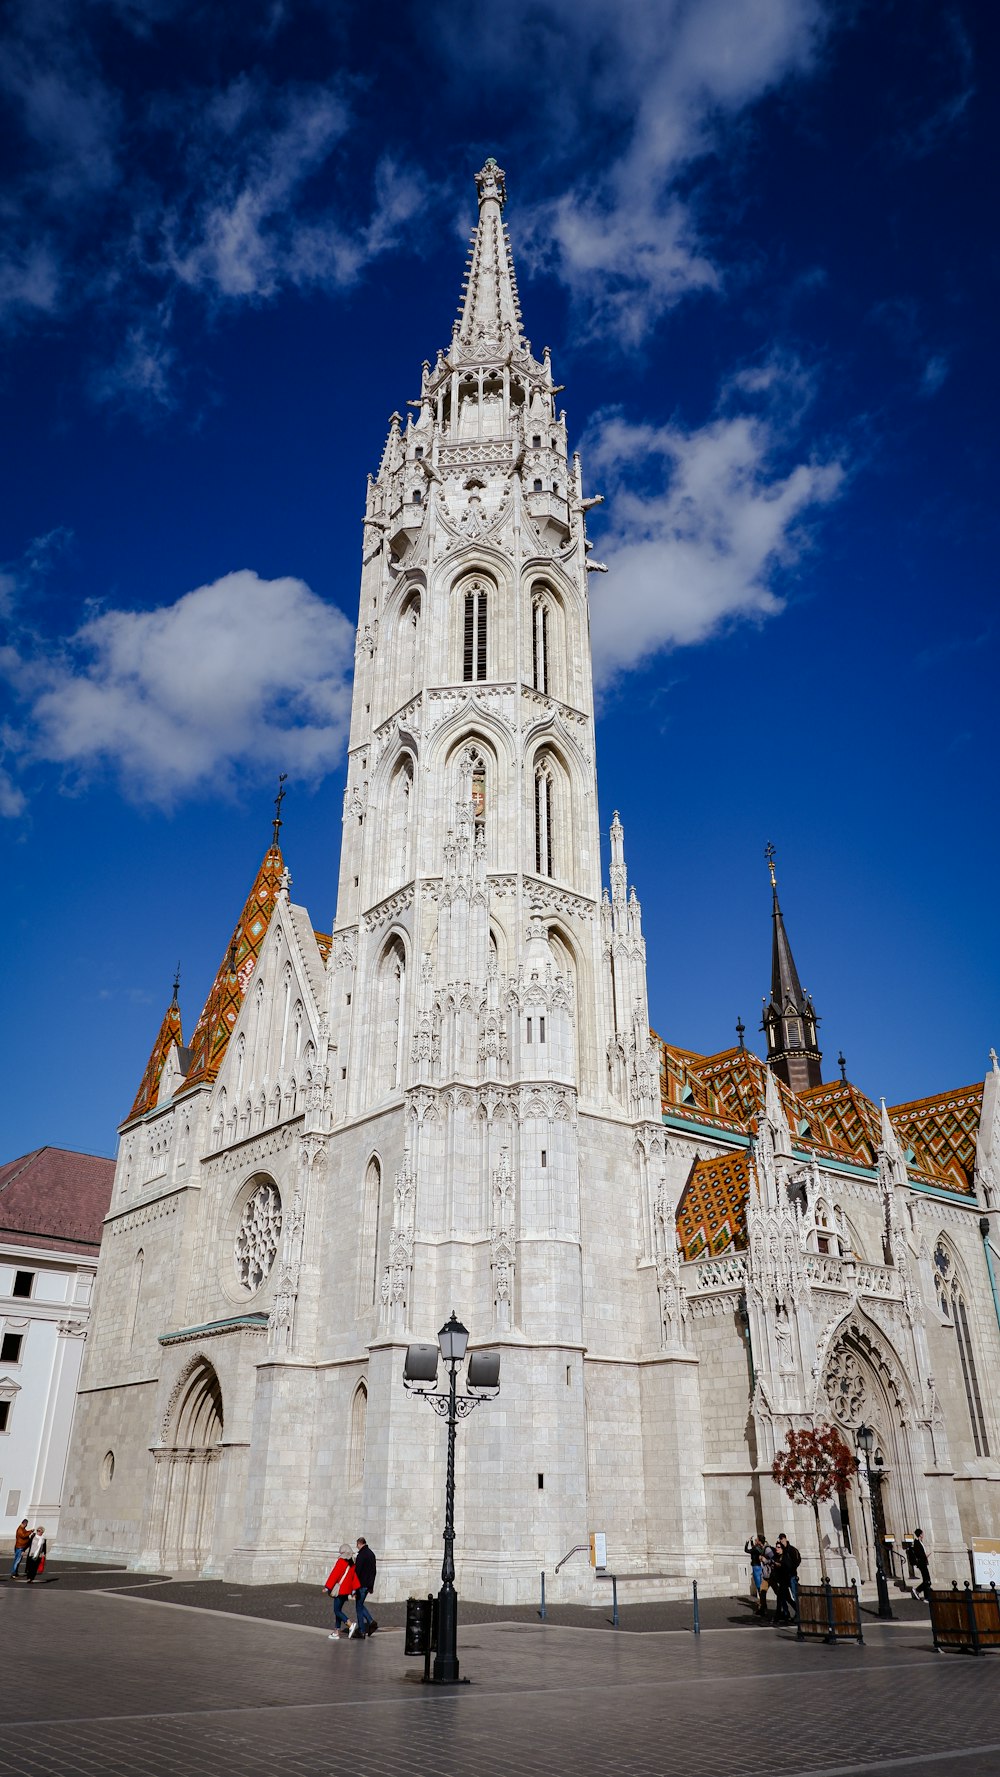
829, 1613
968, 1619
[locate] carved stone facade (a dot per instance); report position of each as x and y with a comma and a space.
453, 1101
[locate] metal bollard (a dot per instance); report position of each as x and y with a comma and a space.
614, 1602
694, 1596
542, 1611
831, 1635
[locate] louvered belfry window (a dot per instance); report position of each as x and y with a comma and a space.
474, 656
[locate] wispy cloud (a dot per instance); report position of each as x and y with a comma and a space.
129, 197
658, 82
702, 524
235, 677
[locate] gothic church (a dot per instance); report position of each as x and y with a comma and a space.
455, 1099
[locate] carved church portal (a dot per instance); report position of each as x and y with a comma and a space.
182, 1516
861, 1384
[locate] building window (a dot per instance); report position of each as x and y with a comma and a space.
540, 645
951, 1303
536, 486
257, 1236
24, 1283
5, 1407
474, 652
544, 822
371, 1216
359, 1426
10, 1348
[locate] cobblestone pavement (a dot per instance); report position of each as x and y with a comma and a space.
113, 1680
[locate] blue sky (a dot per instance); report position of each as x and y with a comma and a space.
758, 236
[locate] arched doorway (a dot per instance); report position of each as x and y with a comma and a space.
863, 1384
182, 1518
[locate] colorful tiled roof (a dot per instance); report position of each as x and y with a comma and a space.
54, 1197
848, 1116
940, 1133
215, 1026
833, 1122
170, 1033
711, 1214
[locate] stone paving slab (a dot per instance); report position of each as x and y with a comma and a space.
296, 1603
109, 1682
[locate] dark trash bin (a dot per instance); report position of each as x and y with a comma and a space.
421, 1626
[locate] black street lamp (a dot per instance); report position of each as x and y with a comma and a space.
865, 1439
484, 1376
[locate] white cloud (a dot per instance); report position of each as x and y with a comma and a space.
658, 82
238, 676
700, 525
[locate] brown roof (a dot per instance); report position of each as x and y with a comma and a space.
55, 1198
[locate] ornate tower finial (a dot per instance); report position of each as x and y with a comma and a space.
278, 800
491, 181
177, 983
741, 1030
769, 855
842, 1064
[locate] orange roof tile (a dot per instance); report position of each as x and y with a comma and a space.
215, 1026
712, 1212
941, 1133
170, 1033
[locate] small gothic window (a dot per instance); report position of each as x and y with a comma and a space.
536, 442
416, 496
540, 645
474, 648
418, 453
544, 822
536, 486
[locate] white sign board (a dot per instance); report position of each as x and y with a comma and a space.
986, 1560
599, 1549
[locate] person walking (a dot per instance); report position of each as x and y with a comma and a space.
37, 1551
754, 1547
918, 1555
342, 1583
786, 1586
365, 1568
766, 1569
22, 1542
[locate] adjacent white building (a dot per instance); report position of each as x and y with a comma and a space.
454, 1100
52, 1206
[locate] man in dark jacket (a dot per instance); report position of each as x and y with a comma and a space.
918, 1555
787, 1569
364, 1567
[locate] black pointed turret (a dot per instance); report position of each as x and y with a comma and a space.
790, 1019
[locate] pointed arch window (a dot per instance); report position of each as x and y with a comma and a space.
540, 644
951, 1301
356, 1442
371, 1216
474, 644
544, 819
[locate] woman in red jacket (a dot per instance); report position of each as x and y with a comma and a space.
342, 1583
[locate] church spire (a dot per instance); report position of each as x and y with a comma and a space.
170, 1033
790, 1019
490, 308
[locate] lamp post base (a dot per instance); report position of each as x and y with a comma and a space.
446, 1660
884, 1607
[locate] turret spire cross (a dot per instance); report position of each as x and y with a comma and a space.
769, 854
278, 800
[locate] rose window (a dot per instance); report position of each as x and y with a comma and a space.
258, 1236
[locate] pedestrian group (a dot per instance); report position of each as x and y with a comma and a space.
774, 1567
352, 1576
31, 1548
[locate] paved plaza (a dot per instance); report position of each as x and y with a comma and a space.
106, 1673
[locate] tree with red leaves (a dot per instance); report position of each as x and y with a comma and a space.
813, 1467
